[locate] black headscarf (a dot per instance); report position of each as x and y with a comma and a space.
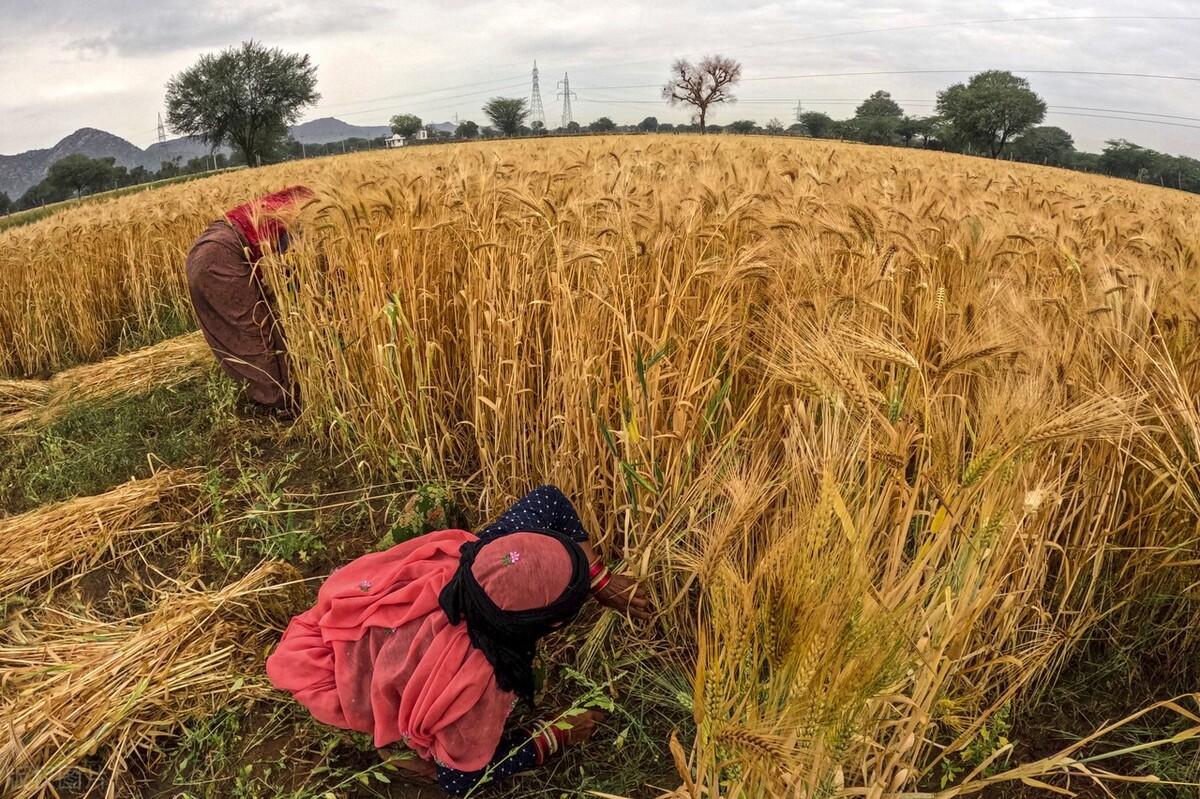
508, 638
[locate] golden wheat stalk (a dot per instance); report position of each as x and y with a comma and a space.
29, 403
77, 687
81, 532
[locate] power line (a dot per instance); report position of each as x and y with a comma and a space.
1117, 114
973, 23
435, 99
409, 95
932, 25
879, 72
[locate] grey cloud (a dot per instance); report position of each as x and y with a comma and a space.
373, 48
178, 25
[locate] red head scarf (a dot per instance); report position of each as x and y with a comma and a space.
259, 220
377, 654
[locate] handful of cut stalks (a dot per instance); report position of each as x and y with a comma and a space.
31, 403
79, 533
80, 695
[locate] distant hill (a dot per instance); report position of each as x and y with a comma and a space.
19, 172
329, 129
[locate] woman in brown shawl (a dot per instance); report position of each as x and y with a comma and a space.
235, 308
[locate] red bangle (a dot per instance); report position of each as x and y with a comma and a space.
595, 569
600, 577
539, 746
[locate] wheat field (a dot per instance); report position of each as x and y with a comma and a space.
888, 434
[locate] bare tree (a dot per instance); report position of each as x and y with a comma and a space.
702, 85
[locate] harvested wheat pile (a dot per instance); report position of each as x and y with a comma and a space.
83, 531
81, 695
31, 403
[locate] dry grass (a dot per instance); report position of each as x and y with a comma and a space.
31, 403
887, 433
84, 531
83, 695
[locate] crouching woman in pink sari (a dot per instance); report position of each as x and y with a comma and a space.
430, 644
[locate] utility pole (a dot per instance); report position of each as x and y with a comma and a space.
303, 150
566, 94
536, 114
162, 131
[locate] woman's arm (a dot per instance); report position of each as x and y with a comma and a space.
517, 752
543, 508
522, 751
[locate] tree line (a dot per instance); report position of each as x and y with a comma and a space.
79, 175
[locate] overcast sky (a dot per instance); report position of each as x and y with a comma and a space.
104, 63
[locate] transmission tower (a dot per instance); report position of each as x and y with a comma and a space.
799, 110
536, 114
566, 94
162, 132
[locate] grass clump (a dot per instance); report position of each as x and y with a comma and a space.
97, 446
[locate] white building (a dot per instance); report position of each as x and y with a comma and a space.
395, 140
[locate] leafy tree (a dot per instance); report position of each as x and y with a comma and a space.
879, 104
1124, 159
878, 118
1086, 162
702, 85
908, 128
845, 129
774, 127
743, 126
467, 130
507, 114
6, 205
538, 127
648, 125
406, 125
929, 129
816, 124
40, 194
602, 125
1045, 145
991, 108
77, 173
573, 127
244, 96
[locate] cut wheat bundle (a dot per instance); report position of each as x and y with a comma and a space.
31, 403
83, 531
81, 695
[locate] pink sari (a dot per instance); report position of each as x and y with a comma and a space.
376, 654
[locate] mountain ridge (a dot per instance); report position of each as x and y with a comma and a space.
20, 171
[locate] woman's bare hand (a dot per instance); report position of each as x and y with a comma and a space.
623, 594
583, 726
